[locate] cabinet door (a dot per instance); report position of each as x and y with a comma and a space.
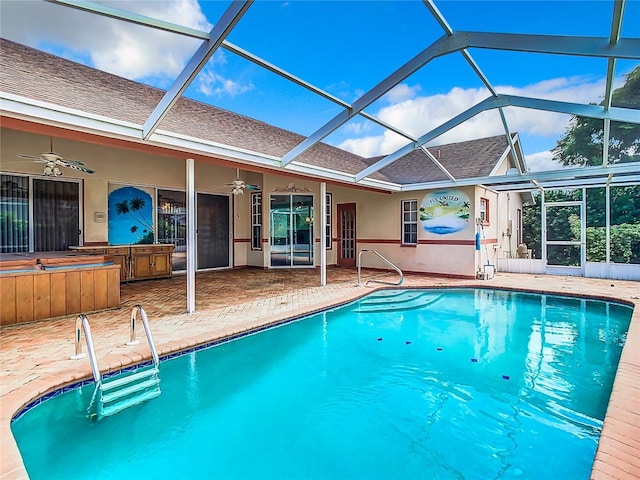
123, 261
142, 265
162, 264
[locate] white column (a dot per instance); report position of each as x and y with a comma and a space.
323, 236
191, 237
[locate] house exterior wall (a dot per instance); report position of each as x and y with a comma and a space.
378, 215
379, 227
499, 237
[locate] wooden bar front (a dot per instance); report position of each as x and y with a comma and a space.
59, 286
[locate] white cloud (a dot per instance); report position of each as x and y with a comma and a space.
401, 93
541, 162
118, 47
212, 84
419, 115
357, 128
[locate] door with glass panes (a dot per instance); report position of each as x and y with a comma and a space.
291, 226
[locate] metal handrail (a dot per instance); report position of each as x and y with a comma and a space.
145, 323
82, 320
384, 260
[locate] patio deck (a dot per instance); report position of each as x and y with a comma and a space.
34, 358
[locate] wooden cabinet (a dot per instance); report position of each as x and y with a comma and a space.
120, 257
162, 264
138, 262
142, 265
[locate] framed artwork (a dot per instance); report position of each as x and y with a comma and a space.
445, 211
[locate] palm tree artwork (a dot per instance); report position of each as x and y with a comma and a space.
130, 216
446, 211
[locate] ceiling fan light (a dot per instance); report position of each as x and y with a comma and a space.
48, 171
57, 172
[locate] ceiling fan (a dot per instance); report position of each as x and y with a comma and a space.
54, 161
238, 185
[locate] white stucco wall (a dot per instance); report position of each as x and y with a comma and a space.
378, 215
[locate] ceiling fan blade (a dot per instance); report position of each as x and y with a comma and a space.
252, 187
72, 162
32, 157
78, 167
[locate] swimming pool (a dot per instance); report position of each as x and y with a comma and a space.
401, 384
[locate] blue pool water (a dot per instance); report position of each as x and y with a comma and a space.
406, 384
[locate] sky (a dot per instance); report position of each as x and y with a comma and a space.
345, 48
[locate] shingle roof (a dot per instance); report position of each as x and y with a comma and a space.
473, 158
41, 76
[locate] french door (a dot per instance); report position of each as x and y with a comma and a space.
291, 226
347, 235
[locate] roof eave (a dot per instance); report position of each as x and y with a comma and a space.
34, 111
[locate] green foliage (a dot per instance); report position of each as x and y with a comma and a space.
625, 242
582, 143
624, 229
532, 218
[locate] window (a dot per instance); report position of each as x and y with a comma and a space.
409, 222
484, 210
328, 201
256, 221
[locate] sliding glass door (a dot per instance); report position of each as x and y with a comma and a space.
38, 215
172, 225
56, 215
291, 227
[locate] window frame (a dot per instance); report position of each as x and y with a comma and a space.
413, 233
256, 221
483, 211
328, 205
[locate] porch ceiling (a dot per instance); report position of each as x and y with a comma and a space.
299, 153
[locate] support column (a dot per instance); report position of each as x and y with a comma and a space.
323, 233
191, 237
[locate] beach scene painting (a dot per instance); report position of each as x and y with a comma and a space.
130, 216
445, 211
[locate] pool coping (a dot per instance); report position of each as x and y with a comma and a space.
617, 453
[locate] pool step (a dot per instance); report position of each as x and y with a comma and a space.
398, 304
126, 379
129, 402
380, 298
129, 390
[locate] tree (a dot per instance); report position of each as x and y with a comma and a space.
582, 145
583, 141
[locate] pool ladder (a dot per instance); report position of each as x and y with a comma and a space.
399, 282
123, 390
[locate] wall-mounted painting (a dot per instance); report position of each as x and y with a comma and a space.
445, 211
130, 216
